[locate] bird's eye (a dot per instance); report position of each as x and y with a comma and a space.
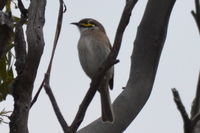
87, 25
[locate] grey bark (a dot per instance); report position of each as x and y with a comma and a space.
196, 108
148, 45
197, 128
195, 111
20, 48
6, 27
23, 85
192, 124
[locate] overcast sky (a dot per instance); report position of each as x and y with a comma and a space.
179, 67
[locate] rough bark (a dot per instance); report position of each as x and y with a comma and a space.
144, 62
196, 108
6, 27
20, 48
23, 85
196, 103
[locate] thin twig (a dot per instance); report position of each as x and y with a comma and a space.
180, 105
88, 98
122, 26
47, 87
195, 111
54, 104
58, 29
196, 14
37, 94
181, 108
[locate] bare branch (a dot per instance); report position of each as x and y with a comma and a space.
121, 28
88, 97
57, 34
195, 110
196, 14
181, 108
37, 94
55, 105
23, 85
196, 102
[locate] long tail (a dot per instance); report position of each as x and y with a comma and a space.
106, 107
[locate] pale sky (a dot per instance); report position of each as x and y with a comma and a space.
179, 67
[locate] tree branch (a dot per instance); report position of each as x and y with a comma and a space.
180, 105
196, 102
88, 97
196, 14
121, 28
37, 94
6, 29
57, 34
23, 85
195, 110
55, 105
181, 108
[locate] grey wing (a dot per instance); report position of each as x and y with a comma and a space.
111, 81
104, 50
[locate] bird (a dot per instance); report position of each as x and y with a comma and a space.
93, 49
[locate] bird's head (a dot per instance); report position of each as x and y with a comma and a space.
89, 24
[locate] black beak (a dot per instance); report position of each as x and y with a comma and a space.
75, 23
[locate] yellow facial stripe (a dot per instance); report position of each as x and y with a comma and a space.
87, 25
